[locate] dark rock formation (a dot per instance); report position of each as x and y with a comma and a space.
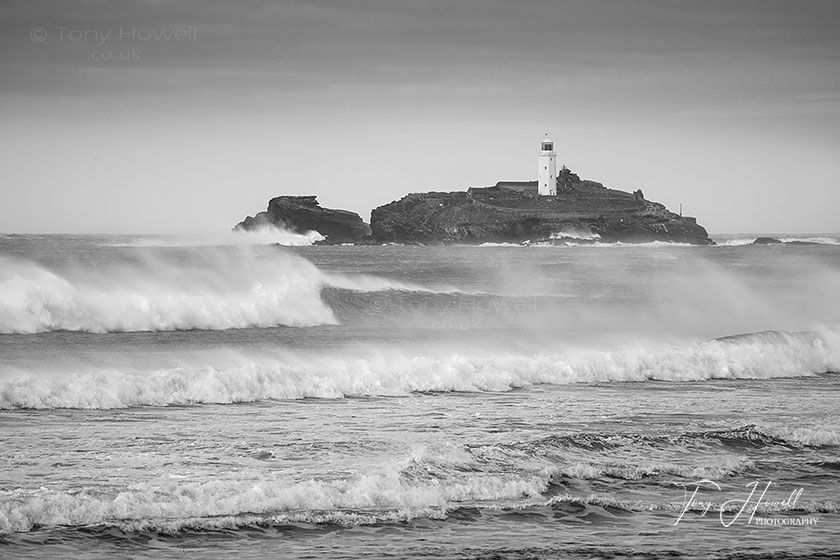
303, 213
498, 214
774, 241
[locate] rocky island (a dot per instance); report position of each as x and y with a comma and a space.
514, 212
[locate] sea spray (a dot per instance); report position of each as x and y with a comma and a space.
264, 235
216, 288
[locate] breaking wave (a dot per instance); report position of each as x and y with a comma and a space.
428, 482
385, 495
159, 289
209, 289
575, 234
237, 377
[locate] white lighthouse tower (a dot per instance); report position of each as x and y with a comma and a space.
547, 176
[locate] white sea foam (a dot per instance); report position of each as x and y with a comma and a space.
814, 437
264, 235
222, 289
234, 377
384, 496
714, 471
622, 245
175, 505
822, 240
575, 234
735, 242
369, 283
568, 240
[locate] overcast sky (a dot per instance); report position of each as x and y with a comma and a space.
153, 116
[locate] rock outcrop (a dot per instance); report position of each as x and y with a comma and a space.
774, 241
301, 214
582, 210
767, 241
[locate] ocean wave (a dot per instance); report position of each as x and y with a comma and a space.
213, 288
437, 482
738, 438
264, 235
237, 377
382, 496
807, 437
648, 244
559, 465
216, 289
364, 500
738, 242
745, 436
369, 283
575, 233
820, 240
716, 471
581, 240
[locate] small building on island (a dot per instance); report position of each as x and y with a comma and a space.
525, 188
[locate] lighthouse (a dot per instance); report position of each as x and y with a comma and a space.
547, 175
548, 168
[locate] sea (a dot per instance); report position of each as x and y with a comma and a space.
258, 396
